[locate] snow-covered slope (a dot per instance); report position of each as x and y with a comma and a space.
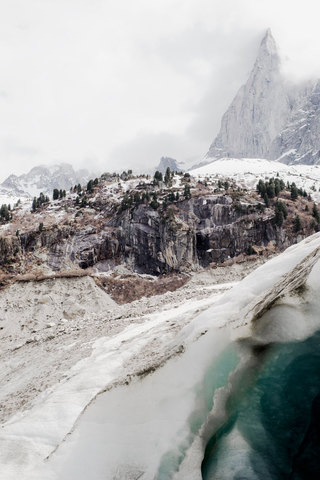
235, 166
11, 197
247, 171
64, 343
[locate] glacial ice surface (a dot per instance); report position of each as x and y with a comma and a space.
200, 415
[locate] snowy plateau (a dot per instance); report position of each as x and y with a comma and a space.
247, 171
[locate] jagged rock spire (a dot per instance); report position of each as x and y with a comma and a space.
258, 111
268, 57
268, 43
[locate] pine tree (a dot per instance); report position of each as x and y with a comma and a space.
4, 213
297, 224
90, 187
171, 197
158, 177
167, 177
137, 198
154, 202
34, 204
279, 218
187, 192
84, 202
261, 188
271, 190
279, 205
294, 192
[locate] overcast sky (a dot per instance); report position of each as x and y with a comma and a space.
112, 84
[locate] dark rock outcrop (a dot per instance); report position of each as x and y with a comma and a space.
188, 235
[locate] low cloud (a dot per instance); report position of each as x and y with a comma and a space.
123, 83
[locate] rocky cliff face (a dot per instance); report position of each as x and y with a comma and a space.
192, 234
258, 112
269, 117
151, 227
299, 141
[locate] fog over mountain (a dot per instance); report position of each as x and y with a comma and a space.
270, 117
118, 86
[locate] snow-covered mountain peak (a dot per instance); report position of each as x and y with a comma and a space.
43, 178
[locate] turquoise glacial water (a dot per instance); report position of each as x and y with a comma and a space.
216, 376
273, 426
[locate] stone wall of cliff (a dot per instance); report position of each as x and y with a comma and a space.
188, 235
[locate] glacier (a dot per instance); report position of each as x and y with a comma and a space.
239, 398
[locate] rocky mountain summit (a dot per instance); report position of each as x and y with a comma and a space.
270, 117
168, 162
252, 121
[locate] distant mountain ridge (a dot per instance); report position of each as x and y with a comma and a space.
270, 118
44, 179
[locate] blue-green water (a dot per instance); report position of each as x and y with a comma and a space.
215, 377
273, 428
